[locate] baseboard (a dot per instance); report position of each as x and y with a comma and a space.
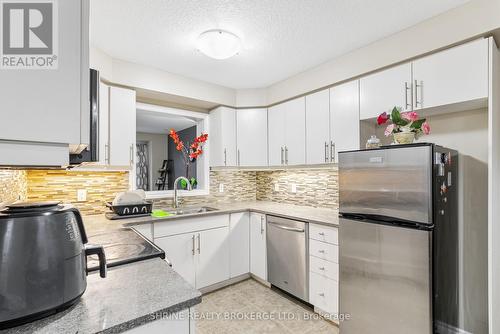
261, 281
326, 316
220, 285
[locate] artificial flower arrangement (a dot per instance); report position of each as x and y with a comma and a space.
190, 153
405, 126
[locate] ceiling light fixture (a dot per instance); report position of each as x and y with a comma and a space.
219, 44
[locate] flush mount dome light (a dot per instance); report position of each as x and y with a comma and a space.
219, 44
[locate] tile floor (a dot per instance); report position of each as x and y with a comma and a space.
255, 308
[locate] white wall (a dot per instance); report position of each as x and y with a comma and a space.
102, 62
470, 20
159, 150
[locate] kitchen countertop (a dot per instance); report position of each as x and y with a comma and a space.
131, 295
321, 216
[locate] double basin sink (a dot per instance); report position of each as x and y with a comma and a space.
190, 210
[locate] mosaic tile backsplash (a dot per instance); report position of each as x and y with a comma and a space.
60, 185
13, 185
315, 187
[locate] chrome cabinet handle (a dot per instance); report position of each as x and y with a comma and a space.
132, 154
417, 86
321, 294
106, 154
286, 155
193, 245
322, 251
239, 160
282, 159
407, 88
326, 151
199, 244
225, 157
322, 268
332, 151
322, 234
261, 225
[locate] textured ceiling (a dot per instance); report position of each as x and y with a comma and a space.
280, 37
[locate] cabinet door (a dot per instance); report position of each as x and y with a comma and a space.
344, 118
252, 137
122, 127
223, 137
239, 244
295, 132
213, 257
451, 76
318, 127
384, 90
103, 124
276, 128
180, 251
258, 248
47, 105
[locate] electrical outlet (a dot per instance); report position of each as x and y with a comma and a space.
294, 188
81, 195
221, 187
276, 187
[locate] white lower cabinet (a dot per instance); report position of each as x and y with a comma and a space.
178, 323
239, 244
323, 268
201, 257
258, 249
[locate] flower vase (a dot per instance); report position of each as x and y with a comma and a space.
405, 137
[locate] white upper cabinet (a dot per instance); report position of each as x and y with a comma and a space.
49, 105
103, 124
295, 132
122, 127
318, 127
344, 118
276, 128
222, 136
287, 133
252, 137
383, 90
455, 75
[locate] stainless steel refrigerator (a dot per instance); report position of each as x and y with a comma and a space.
399, 240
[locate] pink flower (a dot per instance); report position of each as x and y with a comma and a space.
411, 116
388, 130
426, 128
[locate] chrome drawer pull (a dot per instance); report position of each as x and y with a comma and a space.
322, 268
322, 251
321, 294
322, 234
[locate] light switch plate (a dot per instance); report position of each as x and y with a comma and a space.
276, 187
221, 187
294, 188
81, 195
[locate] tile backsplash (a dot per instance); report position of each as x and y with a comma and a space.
13, 185
61, 185
314, 187
317, 187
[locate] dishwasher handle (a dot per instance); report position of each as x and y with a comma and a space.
292, 229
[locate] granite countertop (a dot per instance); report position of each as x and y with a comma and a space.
131, 295
322, 216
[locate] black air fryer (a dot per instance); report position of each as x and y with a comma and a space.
43, 265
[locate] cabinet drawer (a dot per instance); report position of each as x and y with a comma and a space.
324, 251
323, 293
189, 224
324, 268
324, 233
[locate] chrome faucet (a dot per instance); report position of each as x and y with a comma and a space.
176, 198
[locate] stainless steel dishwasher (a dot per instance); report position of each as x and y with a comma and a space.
287, 258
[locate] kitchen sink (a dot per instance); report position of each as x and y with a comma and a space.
191, 210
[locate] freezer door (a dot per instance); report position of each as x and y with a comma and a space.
385, 279
393, 182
